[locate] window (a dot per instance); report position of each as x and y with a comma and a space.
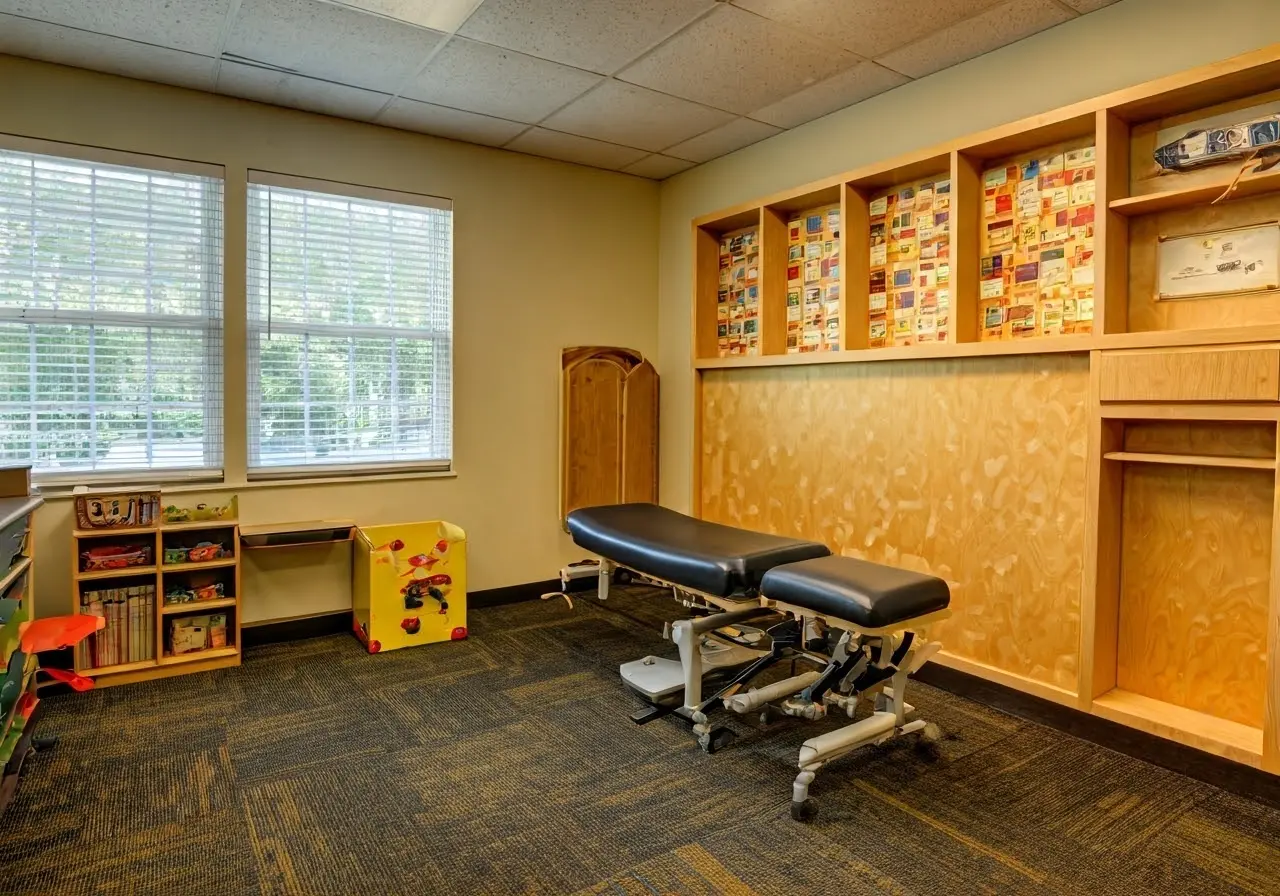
350, 326
110, 318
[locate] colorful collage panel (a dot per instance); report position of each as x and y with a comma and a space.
1037, 246
910, 289
813, 281
738, 296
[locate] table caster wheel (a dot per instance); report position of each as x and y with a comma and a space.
622, 576
803, 811
717, 739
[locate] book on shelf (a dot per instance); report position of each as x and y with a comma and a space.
129, 635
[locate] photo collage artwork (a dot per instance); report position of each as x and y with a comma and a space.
1037, 246
910, 290
738, 295
813, 281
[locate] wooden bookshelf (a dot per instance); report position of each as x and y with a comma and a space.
1048, 458
157, 575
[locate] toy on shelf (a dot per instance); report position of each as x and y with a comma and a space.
107, 557
188, 634
205, 551
813, 281
910, 263
116, 510
201, 513
181, 594
738, 296
409, 585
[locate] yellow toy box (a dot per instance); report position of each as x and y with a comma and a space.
410, 585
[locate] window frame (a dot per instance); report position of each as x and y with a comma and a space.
254, 330
216, 326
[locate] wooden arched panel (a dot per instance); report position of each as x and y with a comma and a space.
609, 428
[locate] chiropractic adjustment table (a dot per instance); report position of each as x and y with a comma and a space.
861, 627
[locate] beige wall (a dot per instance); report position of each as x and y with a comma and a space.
1122, 45
547, 255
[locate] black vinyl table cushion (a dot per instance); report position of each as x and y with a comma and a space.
701, 556
867, 594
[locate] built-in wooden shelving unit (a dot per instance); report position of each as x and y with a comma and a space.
1097, 483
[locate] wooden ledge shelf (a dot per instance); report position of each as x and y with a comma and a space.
197, 606
196, 655
1193, 460
198, 524
297, 534
1241, 743
118, 668
1185, 197
926, 351
124, 573
12, 573
108, 533
206, 564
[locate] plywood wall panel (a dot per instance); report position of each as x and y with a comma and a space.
970, 469
1146, 313
1194, 587
1221, 438
640, 435
593, 393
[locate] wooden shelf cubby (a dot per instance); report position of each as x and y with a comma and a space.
151, 621
1125, 469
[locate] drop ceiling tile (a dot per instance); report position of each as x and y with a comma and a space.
633, 116
1087, 5
191, 25
282, 89
441, 15
657, 167
114, 55
588, 34
863, 80
412, 115
738, 61
568, 148
334, 43
1004, 24
502, 83
868, 27
734, 135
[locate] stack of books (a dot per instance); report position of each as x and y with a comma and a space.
130, 633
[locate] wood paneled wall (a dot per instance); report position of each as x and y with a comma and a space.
970, 469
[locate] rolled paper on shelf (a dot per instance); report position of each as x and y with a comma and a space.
1213, 145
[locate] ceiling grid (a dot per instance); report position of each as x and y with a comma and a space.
649, 87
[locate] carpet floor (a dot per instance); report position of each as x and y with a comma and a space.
505, 764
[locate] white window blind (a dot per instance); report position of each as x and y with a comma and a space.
350, 309
110, 319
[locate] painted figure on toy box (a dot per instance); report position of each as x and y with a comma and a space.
410, 585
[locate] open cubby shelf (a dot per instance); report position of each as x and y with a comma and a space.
1080, 243
132, 599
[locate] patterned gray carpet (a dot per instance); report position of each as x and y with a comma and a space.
505, 764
